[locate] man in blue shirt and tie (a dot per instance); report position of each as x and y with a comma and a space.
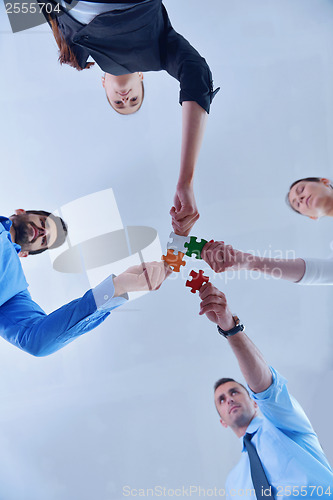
281, 454
22, 322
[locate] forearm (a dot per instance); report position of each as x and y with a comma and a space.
286, 269
194, 119
251, 362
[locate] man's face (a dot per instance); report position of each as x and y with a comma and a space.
125, 92
234, 405
310, 198
33, 232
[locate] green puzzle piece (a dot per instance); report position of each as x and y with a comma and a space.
195, 247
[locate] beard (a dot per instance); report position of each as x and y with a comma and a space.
20, 224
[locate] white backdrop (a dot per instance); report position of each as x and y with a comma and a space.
131, 403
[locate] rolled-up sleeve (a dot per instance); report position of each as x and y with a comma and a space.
282, 409
317, 272
184, 63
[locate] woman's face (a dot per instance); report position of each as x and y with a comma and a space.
311, 198
124, 92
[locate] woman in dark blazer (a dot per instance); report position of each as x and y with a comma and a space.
125, 39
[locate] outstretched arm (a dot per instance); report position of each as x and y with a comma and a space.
251, 362
144, 277
221, 257
24, 324
184, 213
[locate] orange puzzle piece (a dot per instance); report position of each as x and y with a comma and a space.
174, 261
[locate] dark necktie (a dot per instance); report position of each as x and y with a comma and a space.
261, 485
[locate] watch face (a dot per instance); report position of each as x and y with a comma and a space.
236, 320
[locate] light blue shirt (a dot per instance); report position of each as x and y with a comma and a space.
24, 324
293, 460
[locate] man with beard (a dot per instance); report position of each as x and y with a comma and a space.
36, 231
22, 322
281, 454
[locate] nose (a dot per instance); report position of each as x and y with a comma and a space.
124, 98
301, 198
41, 231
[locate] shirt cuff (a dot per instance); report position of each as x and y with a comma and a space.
104, 295
204, 99
317, 272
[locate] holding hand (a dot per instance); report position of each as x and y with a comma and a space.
221, 257
214, 305
144, 277
184, 213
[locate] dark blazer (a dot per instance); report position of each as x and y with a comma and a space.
140, 38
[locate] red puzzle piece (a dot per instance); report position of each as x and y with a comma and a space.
174, 261
197, 280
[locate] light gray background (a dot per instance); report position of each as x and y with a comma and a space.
131, 403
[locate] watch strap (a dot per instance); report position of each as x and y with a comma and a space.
229, 333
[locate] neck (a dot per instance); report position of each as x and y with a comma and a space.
12, 231
329, 207
241, 429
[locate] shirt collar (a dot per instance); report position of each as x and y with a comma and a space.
6, 225
252, 428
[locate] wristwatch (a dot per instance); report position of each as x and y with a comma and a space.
237, 328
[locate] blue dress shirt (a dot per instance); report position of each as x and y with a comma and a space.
26, 325
293, 460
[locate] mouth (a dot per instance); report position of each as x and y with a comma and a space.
124, 93
307, 201
34, 233
234, 408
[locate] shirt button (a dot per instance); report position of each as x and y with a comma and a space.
106, 297
87, 319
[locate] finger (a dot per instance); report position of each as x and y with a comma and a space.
207, 247
212, 247
148, 277
159, 272
182, 213
167, 270
208, 289
214, 294
138, 269
216, 308
213, 299
177, 203
186, 222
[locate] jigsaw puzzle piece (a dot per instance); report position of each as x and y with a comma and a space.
197, 280
174, 260
194, 247
178, 242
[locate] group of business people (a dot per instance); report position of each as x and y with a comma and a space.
281, 456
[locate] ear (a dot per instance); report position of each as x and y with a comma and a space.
20, 211
223, 424
325, 181
140, 75
103, 81
313, 218
23, 254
